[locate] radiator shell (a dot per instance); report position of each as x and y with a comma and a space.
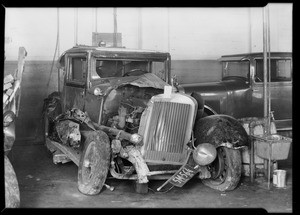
166, 126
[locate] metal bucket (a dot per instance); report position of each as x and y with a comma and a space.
279, 178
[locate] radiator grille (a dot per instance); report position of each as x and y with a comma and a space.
167, 130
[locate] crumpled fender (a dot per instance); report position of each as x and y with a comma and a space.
52, 106
221, 130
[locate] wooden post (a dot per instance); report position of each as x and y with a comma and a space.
19, 74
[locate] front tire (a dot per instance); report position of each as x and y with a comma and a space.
94, 163
12, 192
225, 170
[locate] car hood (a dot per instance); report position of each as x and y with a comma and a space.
215, 87
145, 80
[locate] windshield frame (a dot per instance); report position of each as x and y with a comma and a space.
149, 66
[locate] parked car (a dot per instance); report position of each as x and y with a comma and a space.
240, 92
120, 114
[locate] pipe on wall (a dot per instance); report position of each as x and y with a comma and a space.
140, 32
115, 28
76, 26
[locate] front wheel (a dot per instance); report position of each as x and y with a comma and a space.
94, 163
225, 170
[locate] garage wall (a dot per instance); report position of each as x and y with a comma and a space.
187, 33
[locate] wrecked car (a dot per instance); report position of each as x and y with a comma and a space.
119, 113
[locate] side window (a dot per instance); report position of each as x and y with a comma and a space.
77, 69
281, 70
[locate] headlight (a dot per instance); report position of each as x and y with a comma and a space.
136, 138
8, 118
98, 92
204, 154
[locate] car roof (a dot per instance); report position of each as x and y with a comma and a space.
117, 52
247, 56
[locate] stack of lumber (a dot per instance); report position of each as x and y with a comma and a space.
10, 87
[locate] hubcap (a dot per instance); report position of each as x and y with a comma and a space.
89, 162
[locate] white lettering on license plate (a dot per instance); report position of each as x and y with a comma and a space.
183, 176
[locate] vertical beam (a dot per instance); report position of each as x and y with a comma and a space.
266, 79
96, 20
58, 51
115, 28
265, 64
250, 31
75, 26
140, 32
58, 40
168, 10
269, 70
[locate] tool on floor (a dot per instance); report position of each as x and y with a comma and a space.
111, 188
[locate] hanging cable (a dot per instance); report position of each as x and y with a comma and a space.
56, 48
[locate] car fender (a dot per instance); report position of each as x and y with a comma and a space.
221, 130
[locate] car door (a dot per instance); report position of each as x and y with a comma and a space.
280, 88
74, 88
100, 71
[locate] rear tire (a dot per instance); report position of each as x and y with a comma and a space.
12, 192
94, 163
225, 170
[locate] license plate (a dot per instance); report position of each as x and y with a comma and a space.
184, 174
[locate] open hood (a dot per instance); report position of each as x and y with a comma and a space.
144, 80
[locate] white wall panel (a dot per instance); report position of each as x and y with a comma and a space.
192, 33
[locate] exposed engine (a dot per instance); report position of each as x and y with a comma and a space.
129, 102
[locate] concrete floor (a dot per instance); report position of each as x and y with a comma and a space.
46, 185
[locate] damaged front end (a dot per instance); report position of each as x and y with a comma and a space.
149, 131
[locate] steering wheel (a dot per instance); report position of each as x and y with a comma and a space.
135, 70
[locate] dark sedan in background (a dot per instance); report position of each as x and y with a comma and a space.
240, 92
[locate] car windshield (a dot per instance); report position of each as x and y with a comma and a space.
236, 68
119, 68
